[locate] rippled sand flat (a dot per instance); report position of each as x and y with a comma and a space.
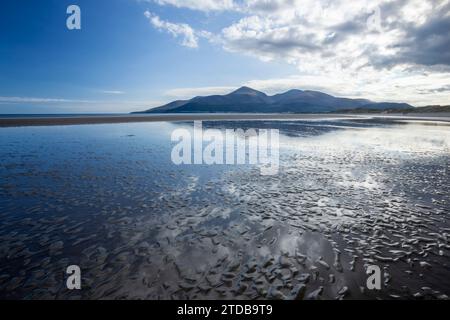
350, 193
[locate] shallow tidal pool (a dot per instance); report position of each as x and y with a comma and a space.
349, 193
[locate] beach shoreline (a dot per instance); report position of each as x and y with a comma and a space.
21, 121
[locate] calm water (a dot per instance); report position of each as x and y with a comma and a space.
350, 193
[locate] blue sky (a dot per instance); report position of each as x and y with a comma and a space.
134, 54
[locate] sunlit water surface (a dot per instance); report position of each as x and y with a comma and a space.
349, 193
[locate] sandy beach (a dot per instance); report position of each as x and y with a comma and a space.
19, 121
348, 194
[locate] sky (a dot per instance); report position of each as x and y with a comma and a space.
136, 54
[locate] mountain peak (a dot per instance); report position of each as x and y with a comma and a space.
294, 91
247, 90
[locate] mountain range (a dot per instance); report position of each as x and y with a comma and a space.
248, 100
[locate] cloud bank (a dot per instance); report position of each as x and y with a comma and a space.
377, 47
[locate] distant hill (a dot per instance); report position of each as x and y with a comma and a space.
426, 109
248, 100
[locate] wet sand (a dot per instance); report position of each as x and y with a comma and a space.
21, 121
107, 198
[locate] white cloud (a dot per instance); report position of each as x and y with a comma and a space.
384, 49
393, 88
189, 38
319, 36
202, 5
